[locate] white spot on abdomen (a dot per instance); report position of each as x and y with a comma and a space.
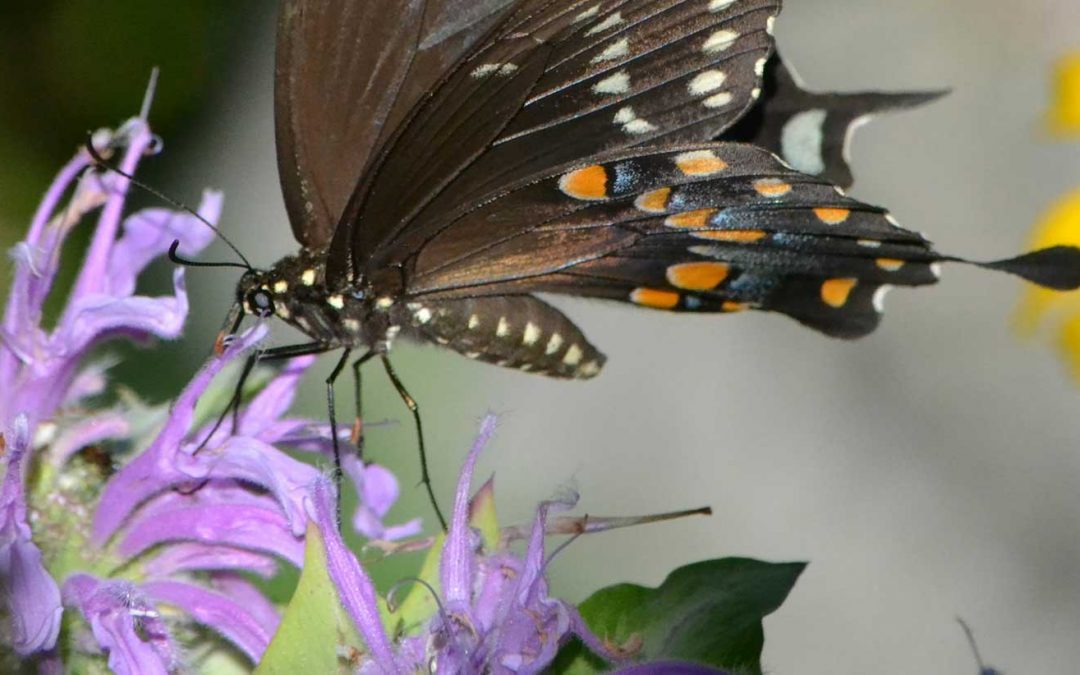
532, 334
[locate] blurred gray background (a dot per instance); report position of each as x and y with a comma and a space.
929, 471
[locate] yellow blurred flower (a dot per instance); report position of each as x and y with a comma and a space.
1059, 225
1064, 117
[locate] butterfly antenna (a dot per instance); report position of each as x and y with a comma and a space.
101, 162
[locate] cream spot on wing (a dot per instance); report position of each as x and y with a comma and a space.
553, 344
385, 302
770, 25
308, 278
879, 297
717, 5
336, 301
719, 41
587, 14
718, 100
759, 67
619, 83
802, 139
610, 22
281, 286
503, 329
422, 315
532, 334
707, 81
755, 93
868, 243
474, 321
615, 50
283, 311
351, 325
631, 123
573, 355
488, 69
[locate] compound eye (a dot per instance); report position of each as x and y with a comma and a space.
261, 303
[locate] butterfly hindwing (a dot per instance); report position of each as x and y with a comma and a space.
812, 131
707, 227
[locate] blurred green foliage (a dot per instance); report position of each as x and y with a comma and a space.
69, 66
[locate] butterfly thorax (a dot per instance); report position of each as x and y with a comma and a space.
295, 290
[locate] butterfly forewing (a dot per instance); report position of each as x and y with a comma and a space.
347, 73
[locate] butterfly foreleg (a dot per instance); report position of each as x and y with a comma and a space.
410, 402
357, 435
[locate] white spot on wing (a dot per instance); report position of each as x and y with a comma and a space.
619, 83
707, 81
869, 243
610, 22
879, 297
718, 100
308, 277
631, 123
336, 301
717, 5
802, 140
351, 325
587, 14
488, 69
422, 315
615, 50
719, 41
503, 329
281, 286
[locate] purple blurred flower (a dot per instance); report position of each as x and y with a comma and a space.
181, 521
495, 612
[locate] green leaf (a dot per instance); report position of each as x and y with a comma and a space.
306, 641
708, 612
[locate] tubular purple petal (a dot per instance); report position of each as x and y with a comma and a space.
457, 566
249, 624
87, 432
189, 556
376, 490
668, 668
355, 589
31, 594
127, 627
155, 469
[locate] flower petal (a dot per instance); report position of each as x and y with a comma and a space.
125, 625
248, 624
355, 588
377, 490
457, 566
31, 594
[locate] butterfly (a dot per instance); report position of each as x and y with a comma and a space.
444, 161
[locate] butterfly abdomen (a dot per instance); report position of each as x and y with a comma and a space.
514, 331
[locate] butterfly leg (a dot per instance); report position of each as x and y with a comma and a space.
357, 430
410, 402
333, 425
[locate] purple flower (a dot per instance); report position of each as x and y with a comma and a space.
184, 521
495, 612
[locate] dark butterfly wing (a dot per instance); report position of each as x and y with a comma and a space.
812, 131
556, 81
716, 227
335, 95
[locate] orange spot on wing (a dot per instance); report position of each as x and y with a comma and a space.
654, 201
589, 183
831, 216
890, 264
735, 236
835, 292
700, 163
697, 276
772, 187
655, 298
690, 219
732, 306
